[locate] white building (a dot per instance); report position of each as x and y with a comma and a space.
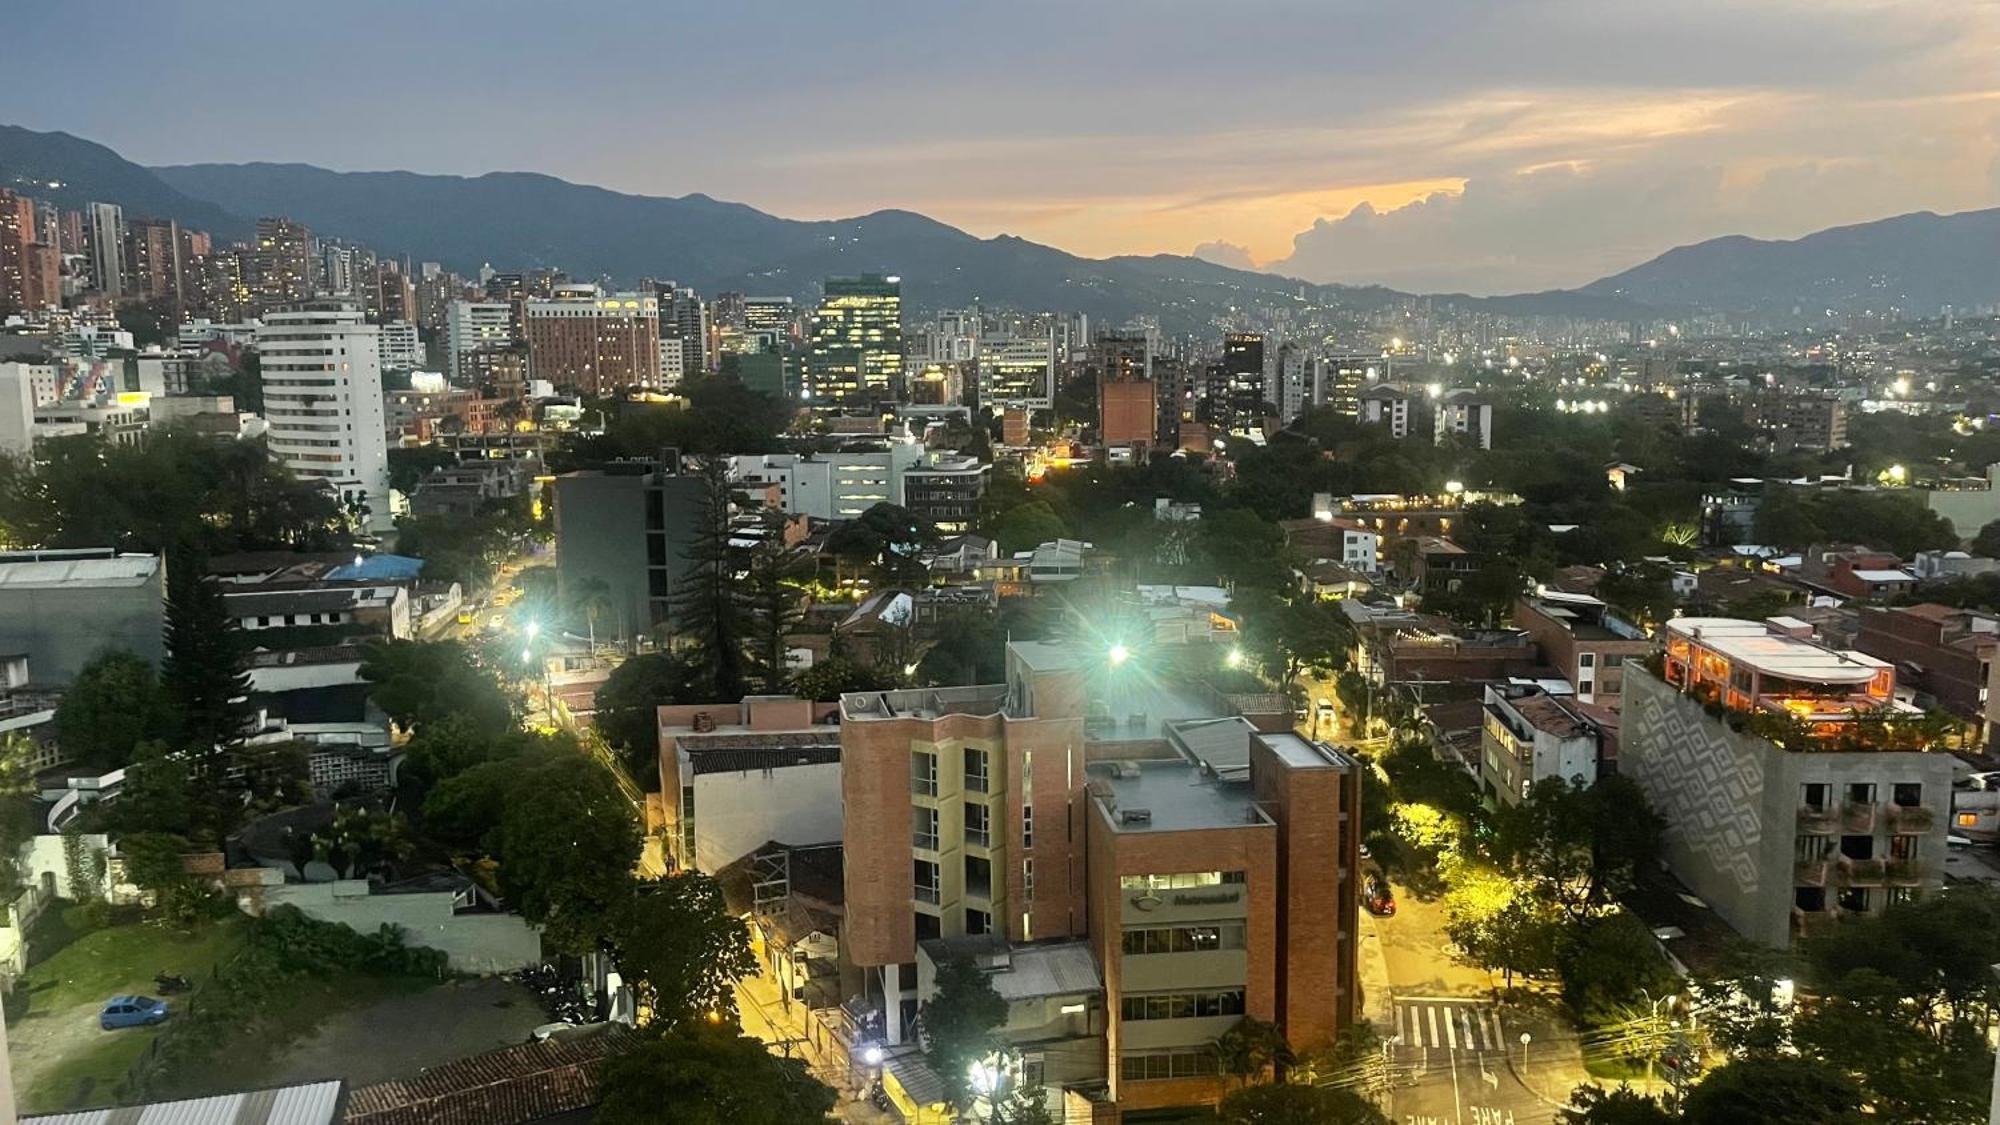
195, 333
1017, 370
472, 325
23, 388
401, 349
673, 362
1360, 547
831, 486
1530, 736
322, 378
1291, 388
1464, 412
1386, 406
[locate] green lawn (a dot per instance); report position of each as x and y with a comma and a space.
121, 959
61, 1058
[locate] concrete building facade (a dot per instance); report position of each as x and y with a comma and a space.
322, 377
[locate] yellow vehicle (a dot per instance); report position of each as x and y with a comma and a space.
465, 617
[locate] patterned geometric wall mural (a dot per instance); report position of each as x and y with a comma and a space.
1711, 805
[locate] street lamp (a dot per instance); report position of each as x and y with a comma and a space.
1525, 1040
1119, 654
1235, 657
534, 627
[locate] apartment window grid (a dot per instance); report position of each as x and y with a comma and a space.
923, 773
976, 777
1181, 1005
1149, 940
924, 828
978, 824
1027, 826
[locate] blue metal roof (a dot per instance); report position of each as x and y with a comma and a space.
377, 568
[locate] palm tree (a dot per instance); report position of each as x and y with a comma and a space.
590, 597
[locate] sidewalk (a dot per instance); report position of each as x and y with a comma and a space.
765, 1015
1372, 975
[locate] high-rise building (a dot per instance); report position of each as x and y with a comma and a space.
773, 315
592, 341
105, 233
1245, 382
17, 232
684, 316
322, 377
1213, 873
395, 296
153, 266
1338, 381
336, 269
284, 262
856, 355
1386, 405
471, 326
1016, 370
1127, 409
402, 347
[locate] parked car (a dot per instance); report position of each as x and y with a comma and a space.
1377, 897
131, 1011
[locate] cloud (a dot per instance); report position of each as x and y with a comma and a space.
1226, 254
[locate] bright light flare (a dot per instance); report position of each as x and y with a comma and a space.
1119, 654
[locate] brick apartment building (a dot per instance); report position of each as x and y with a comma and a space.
1208, 860
1584, 640
1942, 652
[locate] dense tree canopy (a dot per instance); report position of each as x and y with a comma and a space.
709, 1075
115, 703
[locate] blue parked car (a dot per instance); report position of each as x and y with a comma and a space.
131, 1011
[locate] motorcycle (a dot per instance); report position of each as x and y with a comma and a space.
170, 983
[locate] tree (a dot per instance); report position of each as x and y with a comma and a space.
114, 704
568, 840
1576, 846
206, 674
775, 602
675, 939
18, 820
836, 676
591, 597
887, 540
1027, 526
707, 610
421, 682
1251, 1047
708, 1075
1986, 544
1244, 549
153, 863
1284, 1103
1594, 1105
1609, 964
628, 706
1774, 1091
958, 1022
463, 811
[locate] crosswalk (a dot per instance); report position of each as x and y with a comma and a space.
1440, 1022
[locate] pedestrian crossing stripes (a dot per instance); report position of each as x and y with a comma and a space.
1446, 1023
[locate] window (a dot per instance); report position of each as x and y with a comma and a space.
1179, 880
1027, 880
1903, 847
1809, 899
978, 876
1815, 795
929, 926
975, 770
1140, 940
978, 921
1854, 900
1907, 794
1967, 820
1586, 660
923, 773
1861, 793
1181, 1005
923, 827
926, 881
1027, 825
1857, 847
977, 820
1811, 849
1899, 896
1180, 1062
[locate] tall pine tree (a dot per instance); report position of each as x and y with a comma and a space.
707, 608
772, 595
206, 672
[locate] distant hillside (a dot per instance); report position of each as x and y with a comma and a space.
71, 172
1919, 262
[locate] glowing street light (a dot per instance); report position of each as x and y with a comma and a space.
1119, 654
533, 628
1235, 657
872, 1056
527, 655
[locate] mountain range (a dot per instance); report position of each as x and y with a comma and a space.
521, 220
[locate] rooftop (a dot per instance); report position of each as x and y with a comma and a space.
1754, 645
48, 571
732, 751
315, 1103
1170, 796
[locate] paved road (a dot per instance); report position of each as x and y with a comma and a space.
1419, 955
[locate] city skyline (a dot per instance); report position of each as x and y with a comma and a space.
1452, 148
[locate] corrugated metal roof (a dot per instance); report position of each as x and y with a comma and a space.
317, 1103
1048, 970
124, 570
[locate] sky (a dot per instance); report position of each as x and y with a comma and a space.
1481, 146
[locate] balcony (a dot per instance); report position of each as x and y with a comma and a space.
927, 841
1905, 873
1811, 923
1857, 816
923, 893
1817, 820
1911, 818
1862, 872
978, 837
1810, 872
